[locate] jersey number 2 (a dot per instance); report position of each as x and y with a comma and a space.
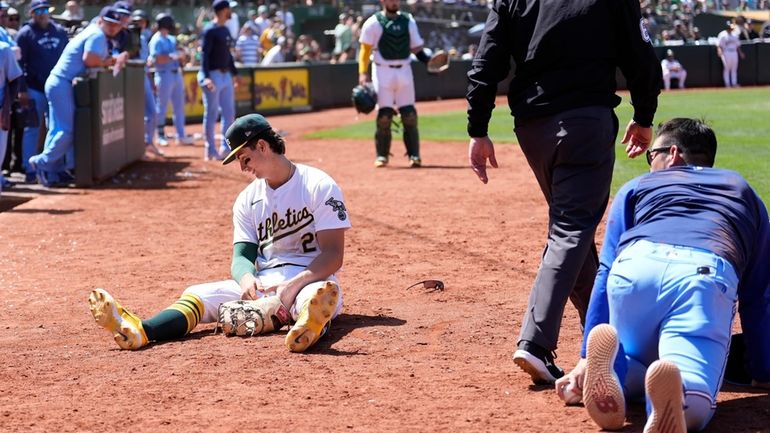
307, 239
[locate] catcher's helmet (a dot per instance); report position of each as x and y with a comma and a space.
364, 98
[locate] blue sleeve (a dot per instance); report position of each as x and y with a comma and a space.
206, 47
97, 44
620, 219
154, 46
144, 50
754, 301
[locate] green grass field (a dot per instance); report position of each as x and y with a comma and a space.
740, 117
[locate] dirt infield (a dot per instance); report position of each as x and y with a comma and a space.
396, 360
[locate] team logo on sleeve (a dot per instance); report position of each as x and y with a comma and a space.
338, 207
643, 29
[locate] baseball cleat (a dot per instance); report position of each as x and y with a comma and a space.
185, 141
542, 370
381, 161
602, 392
313, 318
663, 385
162, 141
124, 326
415, 162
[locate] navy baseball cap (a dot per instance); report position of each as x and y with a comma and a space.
110, 15
243, 130
221, 4
122, 7
40, 4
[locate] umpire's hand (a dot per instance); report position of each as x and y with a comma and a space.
480, 150
637, 139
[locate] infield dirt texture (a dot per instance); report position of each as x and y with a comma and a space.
395, 360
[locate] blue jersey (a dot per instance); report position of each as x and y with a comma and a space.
91, 40
163, 46
216, 50
711, 209
40, 50
6, 37
9, 68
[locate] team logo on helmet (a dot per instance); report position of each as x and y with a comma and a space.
364, 98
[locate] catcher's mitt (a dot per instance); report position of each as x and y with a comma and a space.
252, 317
364, 98
439, 62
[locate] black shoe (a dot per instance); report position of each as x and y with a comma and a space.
538, 363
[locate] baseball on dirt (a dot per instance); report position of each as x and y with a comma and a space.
570, 396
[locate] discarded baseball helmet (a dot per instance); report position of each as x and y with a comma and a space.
364, 98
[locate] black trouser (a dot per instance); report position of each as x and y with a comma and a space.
572, 155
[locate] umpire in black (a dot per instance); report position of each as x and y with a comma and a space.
562, 98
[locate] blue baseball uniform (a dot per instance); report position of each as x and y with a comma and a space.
40, 50
682, 245
218, 65
61, 100
168, 81
9, 71
149, 96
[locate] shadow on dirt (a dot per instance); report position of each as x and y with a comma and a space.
345, 324
152, 174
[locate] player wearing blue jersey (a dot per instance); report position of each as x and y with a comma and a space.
139, 18
89, 49
683, 243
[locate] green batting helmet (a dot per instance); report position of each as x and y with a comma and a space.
364, 98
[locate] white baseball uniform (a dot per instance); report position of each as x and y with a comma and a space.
283, 224
673, 69
729, 44
391, 72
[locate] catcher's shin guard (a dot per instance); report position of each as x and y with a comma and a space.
124, 326
382, 136
313, 318
411, 135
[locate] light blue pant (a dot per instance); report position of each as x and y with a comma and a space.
61, 128
170, 87
149, 111
222, 97
31, 135
678, 304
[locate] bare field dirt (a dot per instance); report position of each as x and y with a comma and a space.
395, 360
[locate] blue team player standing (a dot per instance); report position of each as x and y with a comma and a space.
683, 243
217, 77
89, 49
168, 79
139, 18
10, 75
41, 42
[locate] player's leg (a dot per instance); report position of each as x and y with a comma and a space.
725, 69
150, 117
682, 78
60, 136
164, 85
32, 134
667, 80
210, 113
227, 103
198, 304
734, 69
405, 100
313, 310
571, 155
177, 104
382, 80
694, 337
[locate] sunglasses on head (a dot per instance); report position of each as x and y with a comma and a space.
41, 11
430, 285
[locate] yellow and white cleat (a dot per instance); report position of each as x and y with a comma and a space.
313, 318
124, 326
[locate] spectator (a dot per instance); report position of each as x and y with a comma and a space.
13, 22
680, 32
276, 54
233, 24
72, 11
247, 46
4, 35
471, 52
343, 39
743, 29
672, 69
287, 17
271, 34
262, 21
41, 42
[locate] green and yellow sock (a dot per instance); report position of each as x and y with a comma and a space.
176, 321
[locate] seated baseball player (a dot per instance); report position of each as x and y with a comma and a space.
672, 69
683, 243
289, 238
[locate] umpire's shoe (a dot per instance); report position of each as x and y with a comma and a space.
124, 326
663, 385
313, 318
538, 363
602, 391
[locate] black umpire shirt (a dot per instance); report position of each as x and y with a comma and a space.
566, 53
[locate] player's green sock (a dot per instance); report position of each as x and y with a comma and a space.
176, 321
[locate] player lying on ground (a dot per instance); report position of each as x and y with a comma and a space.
290, 222
682, 244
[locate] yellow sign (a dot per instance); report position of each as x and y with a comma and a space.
281, 88
193, 95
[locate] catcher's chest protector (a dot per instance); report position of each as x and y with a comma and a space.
394, 42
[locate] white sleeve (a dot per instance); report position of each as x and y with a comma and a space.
329, 210
371, 31
664, 65
243, 223
415, 40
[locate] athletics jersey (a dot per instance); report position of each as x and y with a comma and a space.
393, 39
728, 42
283, 222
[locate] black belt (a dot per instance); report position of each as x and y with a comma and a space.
285, 264
390, 66
173, 71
